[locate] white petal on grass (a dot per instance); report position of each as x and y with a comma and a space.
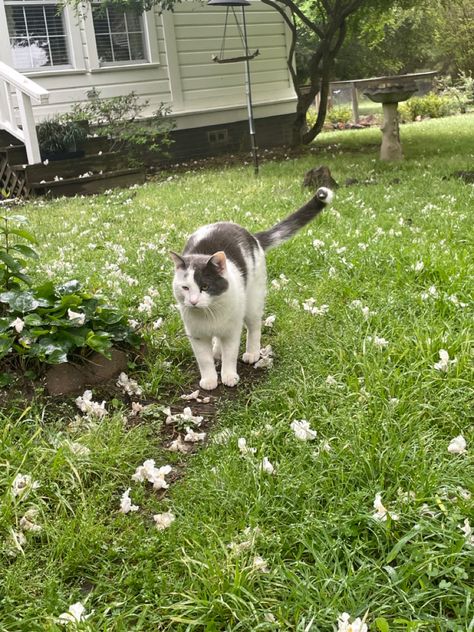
137, 408
148, 472
457, 445
157, 323
269, 321
164, 520
126, 505
244, 449
186, 417
23, 484
344, 624
178, 445
194, 437
74, 615
266, 466
468, 533
266, 358
91, 409
379, 342
128, 386
382, 512
28, 521
302, 430
260, 564
444, 361
331, 380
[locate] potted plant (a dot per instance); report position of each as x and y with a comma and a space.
59, 138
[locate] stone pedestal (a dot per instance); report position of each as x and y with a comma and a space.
391, 148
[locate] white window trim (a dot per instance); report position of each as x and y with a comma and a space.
73, 39
150, 36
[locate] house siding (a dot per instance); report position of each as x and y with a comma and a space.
182, 75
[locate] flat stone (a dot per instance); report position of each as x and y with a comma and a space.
100, 369
63, 379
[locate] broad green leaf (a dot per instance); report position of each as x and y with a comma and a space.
26, 251
5, 344
8, 260
33, 320
46, 291
5, 379
56, 357
382, 624
20, 301
70, 287
21, 232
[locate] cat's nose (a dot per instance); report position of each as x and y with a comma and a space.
193, 300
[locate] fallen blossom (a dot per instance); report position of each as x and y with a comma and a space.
27, 522
128, 386
380, 343
77, 448
137, 408
381, 512
164, 520
194, 437
266, 358
444, 361
79, 317
318, 244
457, 445
431, 293
18, 325
344, 624
178, 445
310, 306
146, 305
22, 484
90, 408
17, 540
418, 266
75, 614
126, 503
186, 417
331, 380
268, 322
193, 395
302, 430
157, 323
148, 472
259, 564
266, 466
244, 449
468, 533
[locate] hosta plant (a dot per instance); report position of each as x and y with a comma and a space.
49, 323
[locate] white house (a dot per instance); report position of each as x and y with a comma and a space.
163, 58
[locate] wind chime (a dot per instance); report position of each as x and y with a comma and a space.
246, 57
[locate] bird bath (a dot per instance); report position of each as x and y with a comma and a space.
389, 91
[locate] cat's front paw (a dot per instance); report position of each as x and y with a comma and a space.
251, 358
229, 379
208, 383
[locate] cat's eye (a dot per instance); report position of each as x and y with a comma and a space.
184, 287
204, 287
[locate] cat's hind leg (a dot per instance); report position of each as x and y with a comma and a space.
253, 322
202, 348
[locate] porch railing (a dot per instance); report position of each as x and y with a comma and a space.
12, 81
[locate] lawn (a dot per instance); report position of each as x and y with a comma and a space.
249, 550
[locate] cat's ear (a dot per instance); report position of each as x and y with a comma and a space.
179, 262
218, 260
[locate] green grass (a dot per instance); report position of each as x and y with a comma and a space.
388, 419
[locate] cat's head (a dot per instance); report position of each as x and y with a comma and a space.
199, 279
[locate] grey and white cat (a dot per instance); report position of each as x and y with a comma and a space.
220, 285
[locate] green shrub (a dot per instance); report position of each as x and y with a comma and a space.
47, 323
431, 105
59, 134
340, 114
311, 116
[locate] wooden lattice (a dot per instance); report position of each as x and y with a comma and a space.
12, 183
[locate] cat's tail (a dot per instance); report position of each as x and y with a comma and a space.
293, 223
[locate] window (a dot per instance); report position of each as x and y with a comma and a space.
37, 34
119, 35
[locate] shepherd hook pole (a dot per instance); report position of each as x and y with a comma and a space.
248, 91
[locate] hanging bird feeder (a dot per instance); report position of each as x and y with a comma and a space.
246, 57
